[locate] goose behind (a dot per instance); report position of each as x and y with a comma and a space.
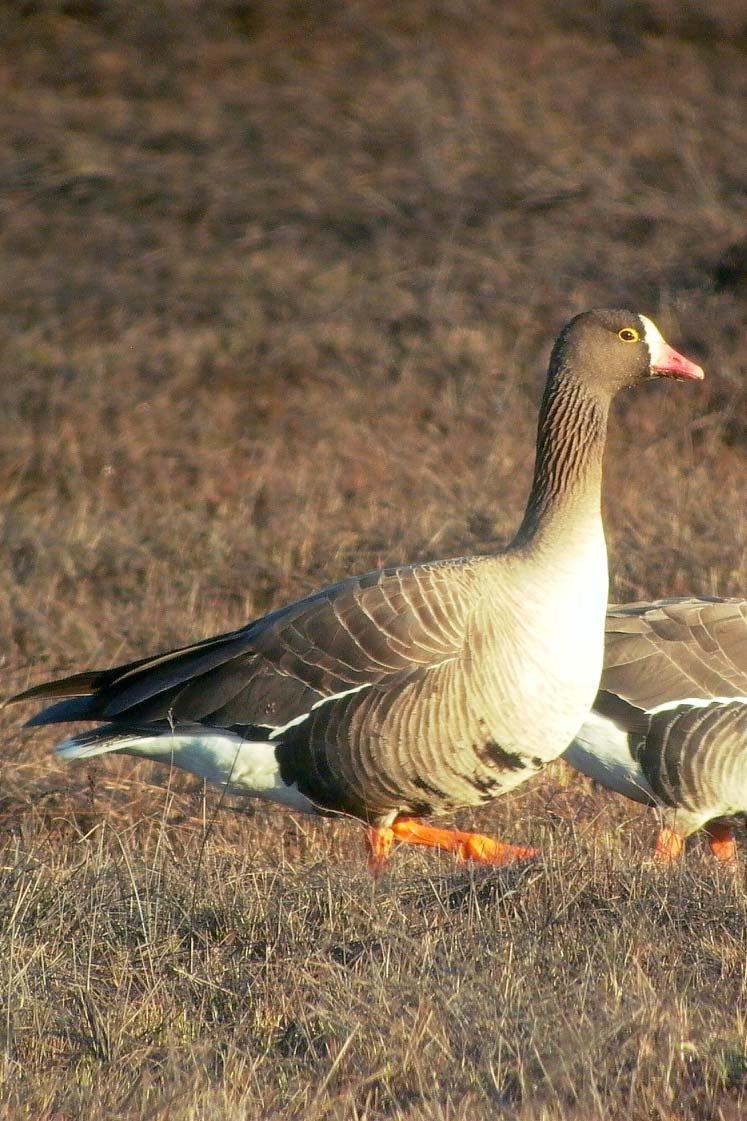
417, 689
669, 725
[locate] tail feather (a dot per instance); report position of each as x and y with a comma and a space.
102, 741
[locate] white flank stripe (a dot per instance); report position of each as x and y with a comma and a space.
324, 701
695, 702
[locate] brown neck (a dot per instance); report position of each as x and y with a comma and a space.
568, 469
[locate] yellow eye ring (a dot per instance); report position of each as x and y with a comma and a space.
628, 335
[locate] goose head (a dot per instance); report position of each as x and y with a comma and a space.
610, 349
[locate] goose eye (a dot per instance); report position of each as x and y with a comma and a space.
628, 335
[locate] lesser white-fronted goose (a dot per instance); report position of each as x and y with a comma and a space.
669, 725
412, 690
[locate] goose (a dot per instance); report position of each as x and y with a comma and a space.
669, 724
413, 690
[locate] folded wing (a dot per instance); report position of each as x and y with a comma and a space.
380, 629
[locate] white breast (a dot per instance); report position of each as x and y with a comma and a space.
548, 671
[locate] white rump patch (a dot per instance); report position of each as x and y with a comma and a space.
601, 751
223, 758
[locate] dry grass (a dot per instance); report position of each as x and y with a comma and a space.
262, 975
277, 286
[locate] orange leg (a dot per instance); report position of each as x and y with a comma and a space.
721, 842
669, 846
380, 841
467, 846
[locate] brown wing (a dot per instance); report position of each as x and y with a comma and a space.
672, 650
382, 629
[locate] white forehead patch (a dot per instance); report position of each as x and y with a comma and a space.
654, 338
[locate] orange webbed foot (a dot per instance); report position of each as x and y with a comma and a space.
721, 842
669, 847
487, 850
467, 846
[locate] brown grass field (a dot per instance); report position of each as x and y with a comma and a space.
278, 282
